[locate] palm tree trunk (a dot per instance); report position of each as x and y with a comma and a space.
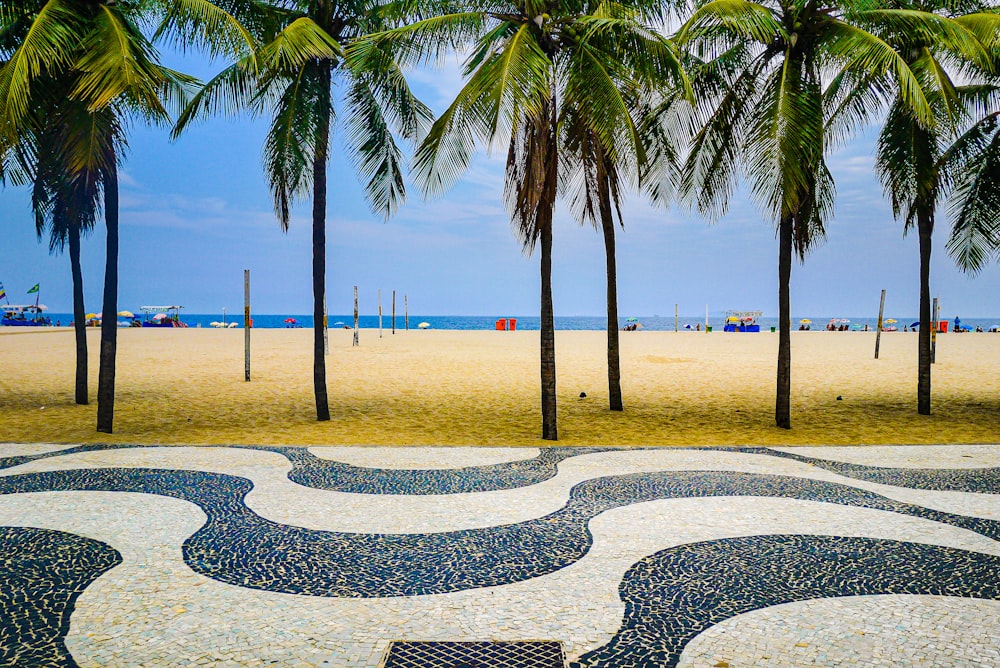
548, 340
782, 404
109, 323
319, 250
608, 227
548, 327
925, 227
79, 325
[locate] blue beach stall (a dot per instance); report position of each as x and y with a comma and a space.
742, 321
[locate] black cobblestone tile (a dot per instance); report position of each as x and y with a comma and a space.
672, 596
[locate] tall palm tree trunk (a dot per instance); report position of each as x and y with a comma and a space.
782, 404
79, 324
614, 364
548, 326
925, 227
319, 249
548, 338
109, 323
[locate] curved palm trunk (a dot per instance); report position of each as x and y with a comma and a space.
614, 364
109, 325
782, 404
79, 325
319, 251
925, 227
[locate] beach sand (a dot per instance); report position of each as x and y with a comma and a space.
482, 388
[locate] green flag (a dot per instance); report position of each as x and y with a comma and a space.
34, 289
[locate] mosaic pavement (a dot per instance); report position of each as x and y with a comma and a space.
492, 557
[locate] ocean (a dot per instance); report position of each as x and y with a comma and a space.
653, 323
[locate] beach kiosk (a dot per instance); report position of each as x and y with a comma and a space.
742, 321
165, 316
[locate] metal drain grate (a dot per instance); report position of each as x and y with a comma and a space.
488, 654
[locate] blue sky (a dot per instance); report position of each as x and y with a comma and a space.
196, 212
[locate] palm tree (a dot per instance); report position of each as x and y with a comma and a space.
533, 64
919, 169
296, 57
99, 48
66, 203
593, 188
765, 118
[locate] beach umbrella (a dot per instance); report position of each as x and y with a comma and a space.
43, 307
159, 316
215, 324
90, 316
687, 326
339, 324
291, 320
424, 325
914, 324
805, 321
126, 314
890, 321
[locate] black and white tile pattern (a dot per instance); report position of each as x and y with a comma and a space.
550, 575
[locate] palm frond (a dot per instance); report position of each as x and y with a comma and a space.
860, 50
205, 25
48, 46
117, 59
291, 142
974, 207
299, 43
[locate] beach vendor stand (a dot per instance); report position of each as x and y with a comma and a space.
165, 316
742, 321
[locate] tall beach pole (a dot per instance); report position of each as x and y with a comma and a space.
394, 312
878, 328
246, 324
706, 318
380, 313
677, 326
355, 316
406, 314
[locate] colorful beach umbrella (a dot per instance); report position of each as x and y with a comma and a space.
291, 320
805, 321
159, 316
424, 325
126, 314
890, 321
90, 316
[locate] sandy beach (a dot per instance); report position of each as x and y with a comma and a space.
481, 388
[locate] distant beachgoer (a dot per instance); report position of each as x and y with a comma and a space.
697, 327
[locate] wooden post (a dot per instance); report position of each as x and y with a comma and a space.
677, 326
380, 313
934, 328
246, 324
406, 314
394, 312
355, 316
878, 328
706, 318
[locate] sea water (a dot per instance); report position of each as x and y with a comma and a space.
653, 323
